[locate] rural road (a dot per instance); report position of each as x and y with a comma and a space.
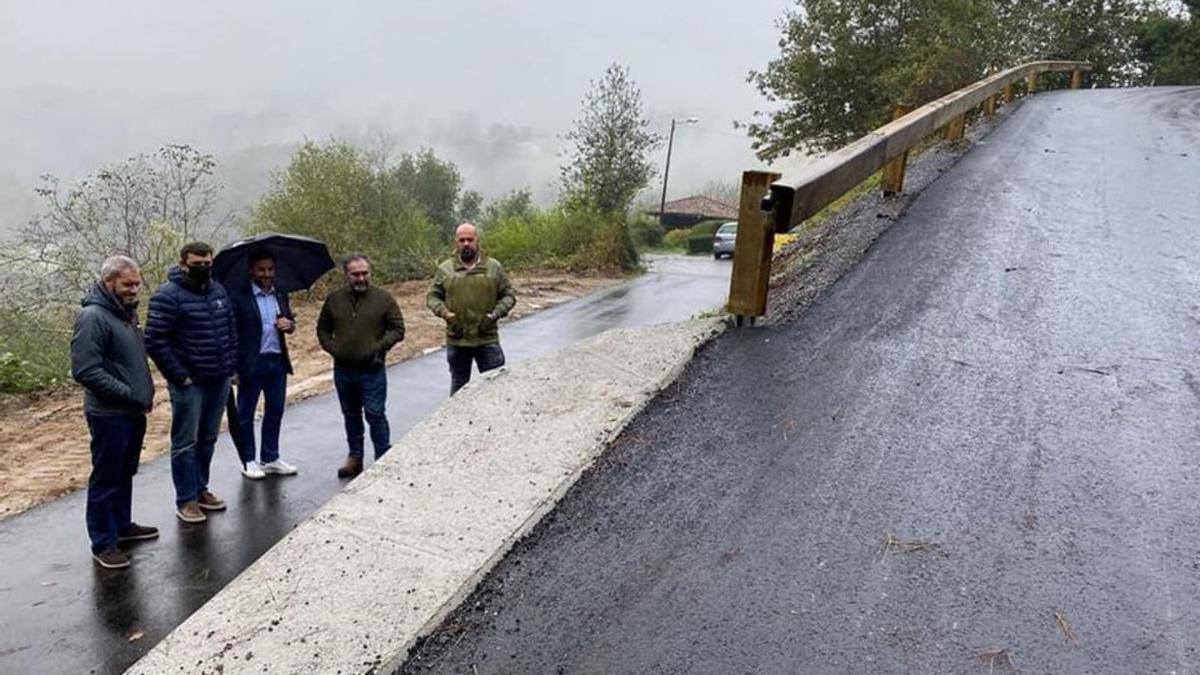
59, 614
978, 452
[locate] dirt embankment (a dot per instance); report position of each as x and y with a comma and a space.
44, 439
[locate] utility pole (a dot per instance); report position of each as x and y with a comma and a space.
662, 204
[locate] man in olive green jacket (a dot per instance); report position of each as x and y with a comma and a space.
471, 292
358, 325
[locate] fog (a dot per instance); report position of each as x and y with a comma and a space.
489, 85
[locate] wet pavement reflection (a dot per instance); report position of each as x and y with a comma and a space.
61, 614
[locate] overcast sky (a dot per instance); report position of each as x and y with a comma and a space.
491, 85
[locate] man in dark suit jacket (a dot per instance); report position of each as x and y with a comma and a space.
264, 318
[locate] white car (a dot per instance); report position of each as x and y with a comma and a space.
723, 240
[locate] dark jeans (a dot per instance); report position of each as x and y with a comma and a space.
116, 449
488, 357
195, 421
364, 392
269, 379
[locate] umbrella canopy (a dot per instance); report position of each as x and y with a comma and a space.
299, 261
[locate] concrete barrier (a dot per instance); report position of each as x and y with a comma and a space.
353, 587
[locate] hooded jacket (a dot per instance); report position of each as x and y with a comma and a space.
190, 330
108, 357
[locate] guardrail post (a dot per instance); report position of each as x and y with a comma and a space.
1031, 81
752, 249
1008, 94
893, 171
1076, 78
954, 130
989, 106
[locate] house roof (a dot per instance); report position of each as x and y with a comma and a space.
701, 206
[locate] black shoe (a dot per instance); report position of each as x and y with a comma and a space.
138, 533
111, 559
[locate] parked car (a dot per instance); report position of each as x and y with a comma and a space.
723, 240
726, 235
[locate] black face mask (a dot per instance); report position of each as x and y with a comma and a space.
468, 255
199, 274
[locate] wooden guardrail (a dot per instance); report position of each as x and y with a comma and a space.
772, 203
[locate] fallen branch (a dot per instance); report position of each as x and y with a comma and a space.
893, 545
1060, 617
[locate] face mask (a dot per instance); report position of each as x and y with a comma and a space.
468, 254
199, 274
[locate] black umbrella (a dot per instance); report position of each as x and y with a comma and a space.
299, 262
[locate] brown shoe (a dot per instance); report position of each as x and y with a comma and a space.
210, 502
191, 513
138, 533
351, 468
111, 559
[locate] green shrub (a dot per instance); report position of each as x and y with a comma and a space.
708, 227
677, 238
646, 233
561, 238
699, 243
35, 351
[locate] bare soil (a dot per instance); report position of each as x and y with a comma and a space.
44, 440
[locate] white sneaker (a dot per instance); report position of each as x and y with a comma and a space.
279, 468
253, 471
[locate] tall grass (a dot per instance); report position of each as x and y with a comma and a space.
561, 238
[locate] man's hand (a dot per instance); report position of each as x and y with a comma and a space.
187, 382
449, 316
284, 324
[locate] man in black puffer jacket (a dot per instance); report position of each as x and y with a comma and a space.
192, 338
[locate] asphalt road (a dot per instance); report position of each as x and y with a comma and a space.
978, 452
60, 614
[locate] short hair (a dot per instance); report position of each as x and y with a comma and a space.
261, 254
351, 257
115, 265
195, 248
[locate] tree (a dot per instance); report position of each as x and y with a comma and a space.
725, 191
607, 163
343, 196
517, 204
470, 206
144, 207
431, 183
844, 64
1170, 46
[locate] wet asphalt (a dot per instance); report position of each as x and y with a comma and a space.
60, 614
978, 452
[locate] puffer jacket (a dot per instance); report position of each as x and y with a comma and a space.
190, 331
108, 359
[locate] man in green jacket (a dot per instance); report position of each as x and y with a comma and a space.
358, 325
471, 293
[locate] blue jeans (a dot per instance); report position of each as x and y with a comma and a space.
269, 379
364, 392
116, 450
195, 422
488, 357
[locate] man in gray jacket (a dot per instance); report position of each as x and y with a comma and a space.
109, 360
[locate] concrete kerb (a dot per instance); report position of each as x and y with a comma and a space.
353, 587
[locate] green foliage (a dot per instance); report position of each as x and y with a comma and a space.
844, 64
707, 227
470, 207
699, 243
332, 192
646, 232
607, 163
677, 238
517, 204
35, 350
1170, 47
562, 238
432, 184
